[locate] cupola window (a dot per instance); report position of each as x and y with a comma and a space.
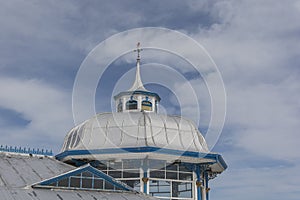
146, 105
131, 105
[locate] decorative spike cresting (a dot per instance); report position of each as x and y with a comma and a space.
26, 150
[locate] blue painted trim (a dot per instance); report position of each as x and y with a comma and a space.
198, 173
63, 176
145, 184
136, 150
216, 157
90, 169
147, 93
221, 161
26, 151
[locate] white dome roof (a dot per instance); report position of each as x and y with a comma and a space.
135, 129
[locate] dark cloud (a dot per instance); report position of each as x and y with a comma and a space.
49, 39
12, 119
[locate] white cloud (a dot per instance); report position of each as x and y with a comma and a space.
253, 50
256, 49
48, 110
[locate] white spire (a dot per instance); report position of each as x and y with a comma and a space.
138, 84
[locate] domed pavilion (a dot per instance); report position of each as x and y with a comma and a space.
160, 155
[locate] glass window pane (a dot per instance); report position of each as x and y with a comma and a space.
161, 194
86, 183
172, 175
77, 175
146, 105
184, 190
108, 186
87, 174
153, 188
75, 182
184, 169
116, 165
172, 167
157, 174
102, 167
160, 188
156, 164
164, 186
185, 176
131, 105
53, 184
186, 194
137, 186
131, 174
175, 189
64, 183
98, 184
132, 183
115, 174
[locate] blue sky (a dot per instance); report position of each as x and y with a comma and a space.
255, 45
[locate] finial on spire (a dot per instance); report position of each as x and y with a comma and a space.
138, 50
138, 84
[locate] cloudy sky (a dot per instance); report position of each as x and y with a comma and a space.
255, 45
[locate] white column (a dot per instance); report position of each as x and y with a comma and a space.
195, 187
203, 188
116, 104
153, 104
124, 103
139, 99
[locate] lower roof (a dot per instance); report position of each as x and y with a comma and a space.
19, 171
47, 194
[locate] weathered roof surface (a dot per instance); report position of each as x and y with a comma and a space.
135, 129
45, 194
18, 172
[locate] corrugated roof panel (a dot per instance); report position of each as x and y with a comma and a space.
5, 194
56, 166
45, 194
137, 129
9, 174
25, 170
39, 166
18, 172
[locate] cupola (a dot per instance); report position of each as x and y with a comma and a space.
137, 98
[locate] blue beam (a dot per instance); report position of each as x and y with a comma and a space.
198, 173
144, 182
218, 158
